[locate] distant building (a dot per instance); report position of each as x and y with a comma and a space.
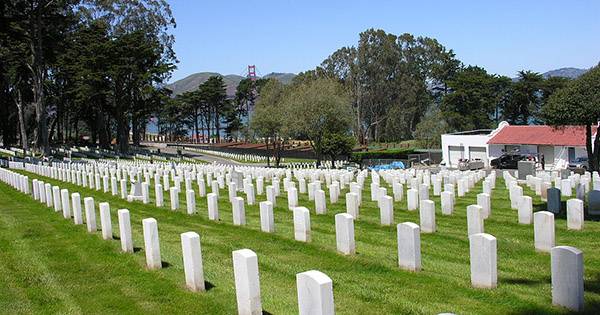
558, 146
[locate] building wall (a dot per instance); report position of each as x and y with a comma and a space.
464, 141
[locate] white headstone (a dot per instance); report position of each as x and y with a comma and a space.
271, 197
484, 201
386, 210
192, 261
575, 217
543, 227
292, 197
483, 257
90, 214
412, 199
239, 212
267, 221
320, 204
525, 211
190, 201
315, 293
66, 203
151, 243
409, 246
125, 230
105, 222
352, 204
344, 233
56, 198
567, 277
174, 198
474, 219
447, 200
301, 224
77, 214
247, 284
427, 216
213, 206
158, 190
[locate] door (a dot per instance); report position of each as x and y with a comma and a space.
548, 152
455, 153
478, 153
571, 155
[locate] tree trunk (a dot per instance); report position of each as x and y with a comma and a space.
37, 86
102, 130
593, 151
19, 102
217, 129
122, 133
267, 149
196, 138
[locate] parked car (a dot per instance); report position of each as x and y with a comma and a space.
510, 161
580, 162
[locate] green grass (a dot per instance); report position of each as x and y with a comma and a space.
49, 265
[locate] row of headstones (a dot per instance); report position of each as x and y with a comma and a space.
179, 167
543, 187
315, 289
315, 293
476, 214
352, 201
524, 206
96, 177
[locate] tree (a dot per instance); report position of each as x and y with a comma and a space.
213, 92
336, 145
269, 120
473, 98
525, 98
391, 81
316, 108
39, 24
430, 129
578, 104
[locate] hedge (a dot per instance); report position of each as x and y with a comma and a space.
387, 154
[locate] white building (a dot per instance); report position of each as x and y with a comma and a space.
557, 146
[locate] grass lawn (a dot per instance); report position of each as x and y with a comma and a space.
49, 265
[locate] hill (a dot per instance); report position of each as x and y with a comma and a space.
571, 73
191, 82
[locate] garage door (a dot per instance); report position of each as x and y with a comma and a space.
478, 153
455, 153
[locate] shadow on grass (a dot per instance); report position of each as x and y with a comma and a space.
592, 285
137, 249
208, 285
588, 308
165, 264
522, 281
266, 313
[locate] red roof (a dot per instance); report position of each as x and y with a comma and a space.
540, 135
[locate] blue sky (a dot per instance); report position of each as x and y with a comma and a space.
292, 36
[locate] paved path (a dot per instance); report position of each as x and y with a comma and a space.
205, 157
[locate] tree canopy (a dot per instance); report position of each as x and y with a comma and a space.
579, 104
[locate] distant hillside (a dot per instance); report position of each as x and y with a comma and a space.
571, 73
191, 82
285, 78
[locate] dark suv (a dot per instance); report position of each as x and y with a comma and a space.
507, 161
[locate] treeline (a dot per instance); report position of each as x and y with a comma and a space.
405, 87
82, 67
208, 113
